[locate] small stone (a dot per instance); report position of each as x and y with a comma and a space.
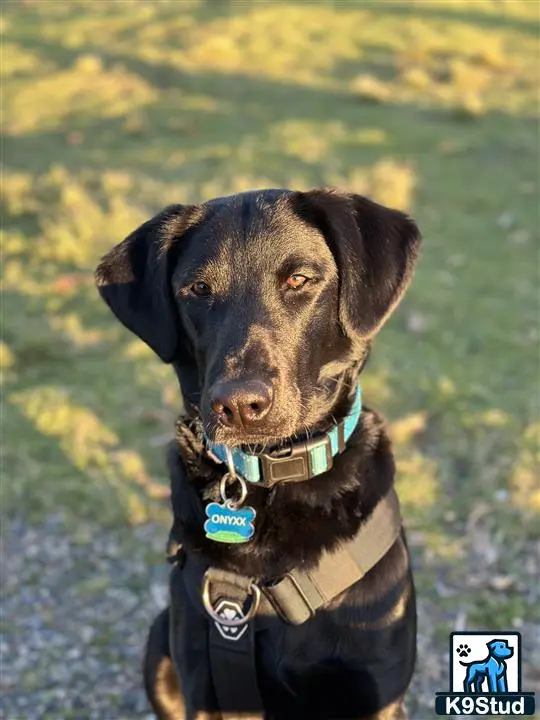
506, 220
160, 595
501, 582
416, 322
519, 237
87, 633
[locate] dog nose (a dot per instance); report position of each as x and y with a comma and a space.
241, 404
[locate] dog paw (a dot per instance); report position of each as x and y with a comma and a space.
463, 650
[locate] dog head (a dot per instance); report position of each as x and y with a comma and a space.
500, 649
265, 302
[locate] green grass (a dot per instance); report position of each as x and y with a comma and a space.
112, 110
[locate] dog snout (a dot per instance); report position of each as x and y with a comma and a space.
241, 404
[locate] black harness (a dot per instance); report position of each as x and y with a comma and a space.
238, 607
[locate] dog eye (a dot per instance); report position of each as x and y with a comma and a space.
294, 282
200, 288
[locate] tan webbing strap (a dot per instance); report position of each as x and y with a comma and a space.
379, 533
234, 585
300, 594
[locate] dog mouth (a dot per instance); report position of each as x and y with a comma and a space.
251, 442
256, 440
282, 428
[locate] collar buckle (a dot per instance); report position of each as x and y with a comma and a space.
304, 461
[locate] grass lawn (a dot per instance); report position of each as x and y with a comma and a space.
114, 109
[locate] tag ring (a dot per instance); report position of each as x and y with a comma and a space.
230, 622
223, 490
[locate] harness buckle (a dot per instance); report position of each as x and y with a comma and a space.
301, 593
283, 601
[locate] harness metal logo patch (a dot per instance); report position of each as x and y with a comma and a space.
230, 610
485, 676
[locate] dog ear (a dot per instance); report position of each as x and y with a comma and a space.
375, 249
134, 278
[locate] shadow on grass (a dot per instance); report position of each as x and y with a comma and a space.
198, 134
430, 11
217, 142
70, 449
173, 138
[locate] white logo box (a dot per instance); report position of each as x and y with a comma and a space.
477, 643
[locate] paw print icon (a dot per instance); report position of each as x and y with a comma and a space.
463, 650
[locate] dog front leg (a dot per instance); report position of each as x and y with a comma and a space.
394, 711
160, 678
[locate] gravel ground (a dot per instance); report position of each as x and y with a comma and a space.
75, 613
76, 609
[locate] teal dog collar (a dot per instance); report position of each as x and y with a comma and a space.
304, 459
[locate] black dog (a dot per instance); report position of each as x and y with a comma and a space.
266, 304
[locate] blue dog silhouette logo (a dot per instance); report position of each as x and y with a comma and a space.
485, 676
228, 524
489, 674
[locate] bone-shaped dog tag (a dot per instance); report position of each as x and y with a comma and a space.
229, 524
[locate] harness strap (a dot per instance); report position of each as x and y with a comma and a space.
232, 600
232, 649
299, 595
